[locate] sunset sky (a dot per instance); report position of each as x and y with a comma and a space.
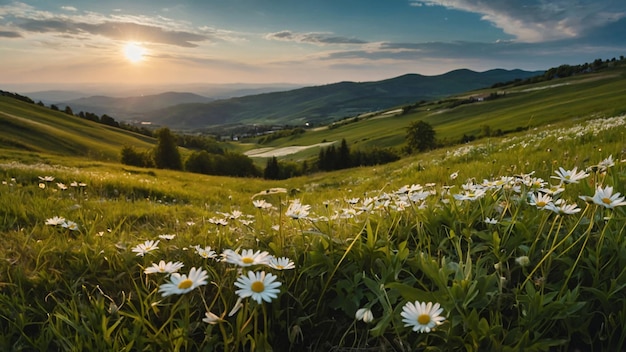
142, 42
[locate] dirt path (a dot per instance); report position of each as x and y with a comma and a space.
271, 152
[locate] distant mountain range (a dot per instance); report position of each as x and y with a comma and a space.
327, 103
238, 104
132, 107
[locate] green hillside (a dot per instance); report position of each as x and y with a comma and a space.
327, 103
516, 108
34, 128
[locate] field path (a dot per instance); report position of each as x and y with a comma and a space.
271, 152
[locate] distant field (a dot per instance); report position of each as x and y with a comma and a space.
577, 97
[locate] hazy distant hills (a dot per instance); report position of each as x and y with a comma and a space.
326, 103
131, 107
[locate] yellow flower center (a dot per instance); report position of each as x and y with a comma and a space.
423, 319
541, 204
606, 200
185, 284
247, 260
257, 286
280, 267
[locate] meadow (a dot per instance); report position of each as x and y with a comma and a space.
505, 244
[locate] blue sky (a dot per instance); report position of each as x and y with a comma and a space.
44, 42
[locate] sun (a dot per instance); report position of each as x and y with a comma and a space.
134, 52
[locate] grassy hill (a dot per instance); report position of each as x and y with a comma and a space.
517, 107
327, 103
37, 129
458, 228
131, 107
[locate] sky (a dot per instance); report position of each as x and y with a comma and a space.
44, 43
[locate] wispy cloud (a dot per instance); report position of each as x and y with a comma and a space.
312, 38
115, 30
139, 28
539, 20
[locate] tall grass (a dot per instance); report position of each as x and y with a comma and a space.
455, 227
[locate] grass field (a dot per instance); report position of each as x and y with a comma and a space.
577, 97
458, 227
508, 243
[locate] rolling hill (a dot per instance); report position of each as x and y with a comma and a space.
33, 128
131, 108
327, 103
577, 97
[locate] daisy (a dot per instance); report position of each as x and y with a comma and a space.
605, 164
491, 221
46, 178
70, 225
164, 268
540, 200
61, 186
247, 257
261, 204
180, 284
297, 210
563, 208
258, 285
569, 176
472, 195
421, 316
607, 199
206, 252
148, 246
211, 318
364, 314
218, 221
56, 220
280, 263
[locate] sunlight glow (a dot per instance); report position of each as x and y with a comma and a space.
134, 52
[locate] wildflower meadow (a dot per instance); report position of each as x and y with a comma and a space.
503, 245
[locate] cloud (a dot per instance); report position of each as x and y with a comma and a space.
9, 34
312, 38
115, 30
139, 28
69, 8
539, 20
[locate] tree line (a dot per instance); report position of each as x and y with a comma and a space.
207, 159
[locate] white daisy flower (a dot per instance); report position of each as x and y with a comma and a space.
421, 316
364, 314
247, 257
258, 285
70, 225
606, 198
180, 284
146, 247
206, 252
297, 211
281, 263
56, 220
210, 318
261, 204
569, 176
491, 221
164, 268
